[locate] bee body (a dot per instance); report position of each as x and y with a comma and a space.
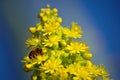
35, 52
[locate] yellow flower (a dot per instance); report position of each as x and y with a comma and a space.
76, 47
102, 71
32, 42
53, 40
50, 28
59, 20
51, 65
76, 31
63, 43
66, 31
38, 27
89, 64
63, 73
40, 58
26, 59
79, 72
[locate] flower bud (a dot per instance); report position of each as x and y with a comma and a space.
38, 28
34, 77
56, 14
42, 10
32, 29
41, 14
44, 50
59, 20
87, 55
28, 67
57, 24
55, 10
47, 12
44, 18
48, 6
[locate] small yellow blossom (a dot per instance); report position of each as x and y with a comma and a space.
63, 43
38, 27
29, 66
32, 42
63, 73
76, 47
26, 59
50, 28
76, 31
66, 31
53, 40
40, 58
51, 65
55, 10
32, 29
59, 20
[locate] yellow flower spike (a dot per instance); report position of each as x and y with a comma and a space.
32, 29
87, 55
59, 56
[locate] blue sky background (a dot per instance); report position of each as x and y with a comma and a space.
99, 19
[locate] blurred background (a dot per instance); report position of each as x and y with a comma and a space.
99, 19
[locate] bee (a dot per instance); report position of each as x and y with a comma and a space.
35, 52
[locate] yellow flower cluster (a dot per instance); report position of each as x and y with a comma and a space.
53, 53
